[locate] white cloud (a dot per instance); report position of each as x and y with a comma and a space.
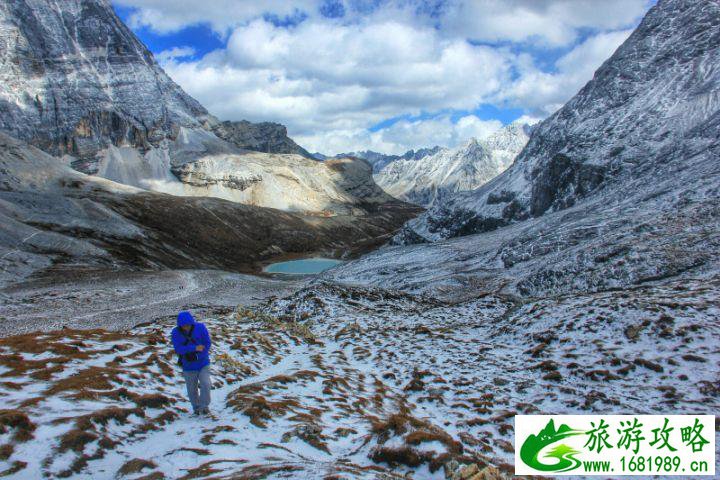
330, 80
318, 77
175, 53
402, 135
542, 92
551, 22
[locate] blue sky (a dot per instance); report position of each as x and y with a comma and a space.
386, 75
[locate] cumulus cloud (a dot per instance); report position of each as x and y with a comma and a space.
318, 77
543, 92
550, 22
402, 135
330, 78
554, 22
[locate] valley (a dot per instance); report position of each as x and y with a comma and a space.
568, 267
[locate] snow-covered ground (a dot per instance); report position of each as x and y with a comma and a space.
353, 382
117, 300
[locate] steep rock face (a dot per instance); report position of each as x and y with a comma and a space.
74, 79
652, 103
265, 137
286, 182
426, 179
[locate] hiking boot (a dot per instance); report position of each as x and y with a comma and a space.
205, 411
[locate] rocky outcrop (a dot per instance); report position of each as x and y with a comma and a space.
286, 182
75, 79
649, 108
265, 137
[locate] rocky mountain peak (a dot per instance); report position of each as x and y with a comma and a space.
75, 79
650, 105
447, 171
268, 137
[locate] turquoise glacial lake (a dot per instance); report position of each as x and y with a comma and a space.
305, 266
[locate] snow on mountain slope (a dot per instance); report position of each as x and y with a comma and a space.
380, 160
422, 181
352, 383
75, 79
649, 108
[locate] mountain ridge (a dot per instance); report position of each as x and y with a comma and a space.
617, 127
78, 80
447, 171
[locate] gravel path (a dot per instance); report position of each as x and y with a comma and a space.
118, 300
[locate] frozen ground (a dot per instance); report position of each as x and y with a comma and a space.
120, 300
346, 382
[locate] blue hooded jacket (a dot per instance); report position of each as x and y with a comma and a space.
199, 335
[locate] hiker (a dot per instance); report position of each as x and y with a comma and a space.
191, 341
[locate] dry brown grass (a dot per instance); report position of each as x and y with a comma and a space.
16, 466
414, 432
258, 408
6, 451
206, 469
86, 383
136, 465
19, 422
104, 416
75, 440
153, 400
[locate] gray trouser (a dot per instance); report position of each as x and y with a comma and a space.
192, 379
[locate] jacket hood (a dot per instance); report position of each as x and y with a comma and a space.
185, 318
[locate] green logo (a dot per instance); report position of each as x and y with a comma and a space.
564, 454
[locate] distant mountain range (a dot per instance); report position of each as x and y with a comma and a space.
441, 172
422, 176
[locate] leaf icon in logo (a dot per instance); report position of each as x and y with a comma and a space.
565, 454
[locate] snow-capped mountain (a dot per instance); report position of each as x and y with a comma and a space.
380, 160
620, 187
446, 171
650, 110
77, 82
